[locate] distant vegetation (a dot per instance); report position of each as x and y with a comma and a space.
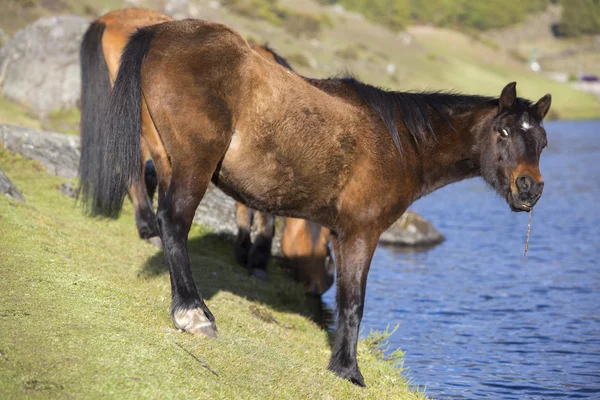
297, 23
578, 17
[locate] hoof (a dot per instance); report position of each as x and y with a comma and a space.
195, 322
259, 274
155, 240
351, 374
146, 230
358, 380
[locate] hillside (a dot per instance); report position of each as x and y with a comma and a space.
321, 41
571, 56
85, 314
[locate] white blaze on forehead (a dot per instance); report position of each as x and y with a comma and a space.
525, 122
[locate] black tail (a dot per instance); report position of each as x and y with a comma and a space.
95, 91
121, 129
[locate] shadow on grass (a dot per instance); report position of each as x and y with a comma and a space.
215, 269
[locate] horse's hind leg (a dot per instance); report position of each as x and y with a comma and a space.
182, 182
144, 213
178, 199
242, 244
260, 253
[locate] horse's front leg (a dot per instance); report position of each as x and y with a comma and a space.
176, 207
353, 257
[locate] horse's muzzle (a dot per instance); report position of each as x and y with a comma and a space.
527, 195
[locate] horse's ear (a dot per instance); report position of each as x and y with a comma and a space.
508, 96
542, 107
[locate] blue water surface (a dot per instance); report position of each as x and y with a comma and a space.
477, 322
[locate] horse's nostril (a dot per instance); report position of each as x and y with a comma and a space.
524, 183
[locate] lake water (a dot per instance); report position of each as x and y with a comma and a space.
475, 322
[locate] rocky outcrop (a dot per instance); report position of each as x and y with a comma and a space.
58, 152
411, 230
39, 66
7, 188
217, 211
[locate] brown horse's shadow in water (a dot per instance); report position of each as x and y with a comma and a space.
214, 269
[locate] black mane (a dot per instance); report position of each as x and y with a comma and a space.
280, 60
415, 108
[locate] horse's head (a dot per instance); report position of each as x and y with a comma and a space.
510, 149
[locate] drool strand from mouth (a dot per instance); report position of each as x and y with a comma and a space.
528, 234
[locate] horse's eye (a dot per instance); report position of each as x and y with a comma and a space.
504, 133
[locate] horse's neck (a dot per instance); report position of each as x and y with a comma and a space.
451, 155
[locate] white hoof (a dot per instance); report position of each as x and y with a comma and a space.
195, 322
155, 240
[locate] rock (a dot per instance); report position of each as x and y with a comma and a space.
58, 152
8, 188
181, 9
68, 189
39, 66
411, 230
217, 211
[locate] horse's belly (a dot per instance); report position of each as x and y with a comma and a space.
274, 177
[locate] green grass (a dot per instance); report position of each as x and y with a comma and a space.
16, 114
476, 68
85, 314
65, 121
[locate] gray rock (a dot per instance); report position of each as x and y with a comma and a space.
180, 9
68, 189
7, 188
217, 211
411, 230
58, 152
39, 66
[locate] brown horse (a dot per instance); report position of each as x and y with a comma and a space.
347, 155
100, 56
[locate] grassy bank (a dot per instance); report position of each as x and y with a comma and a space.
85, 314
